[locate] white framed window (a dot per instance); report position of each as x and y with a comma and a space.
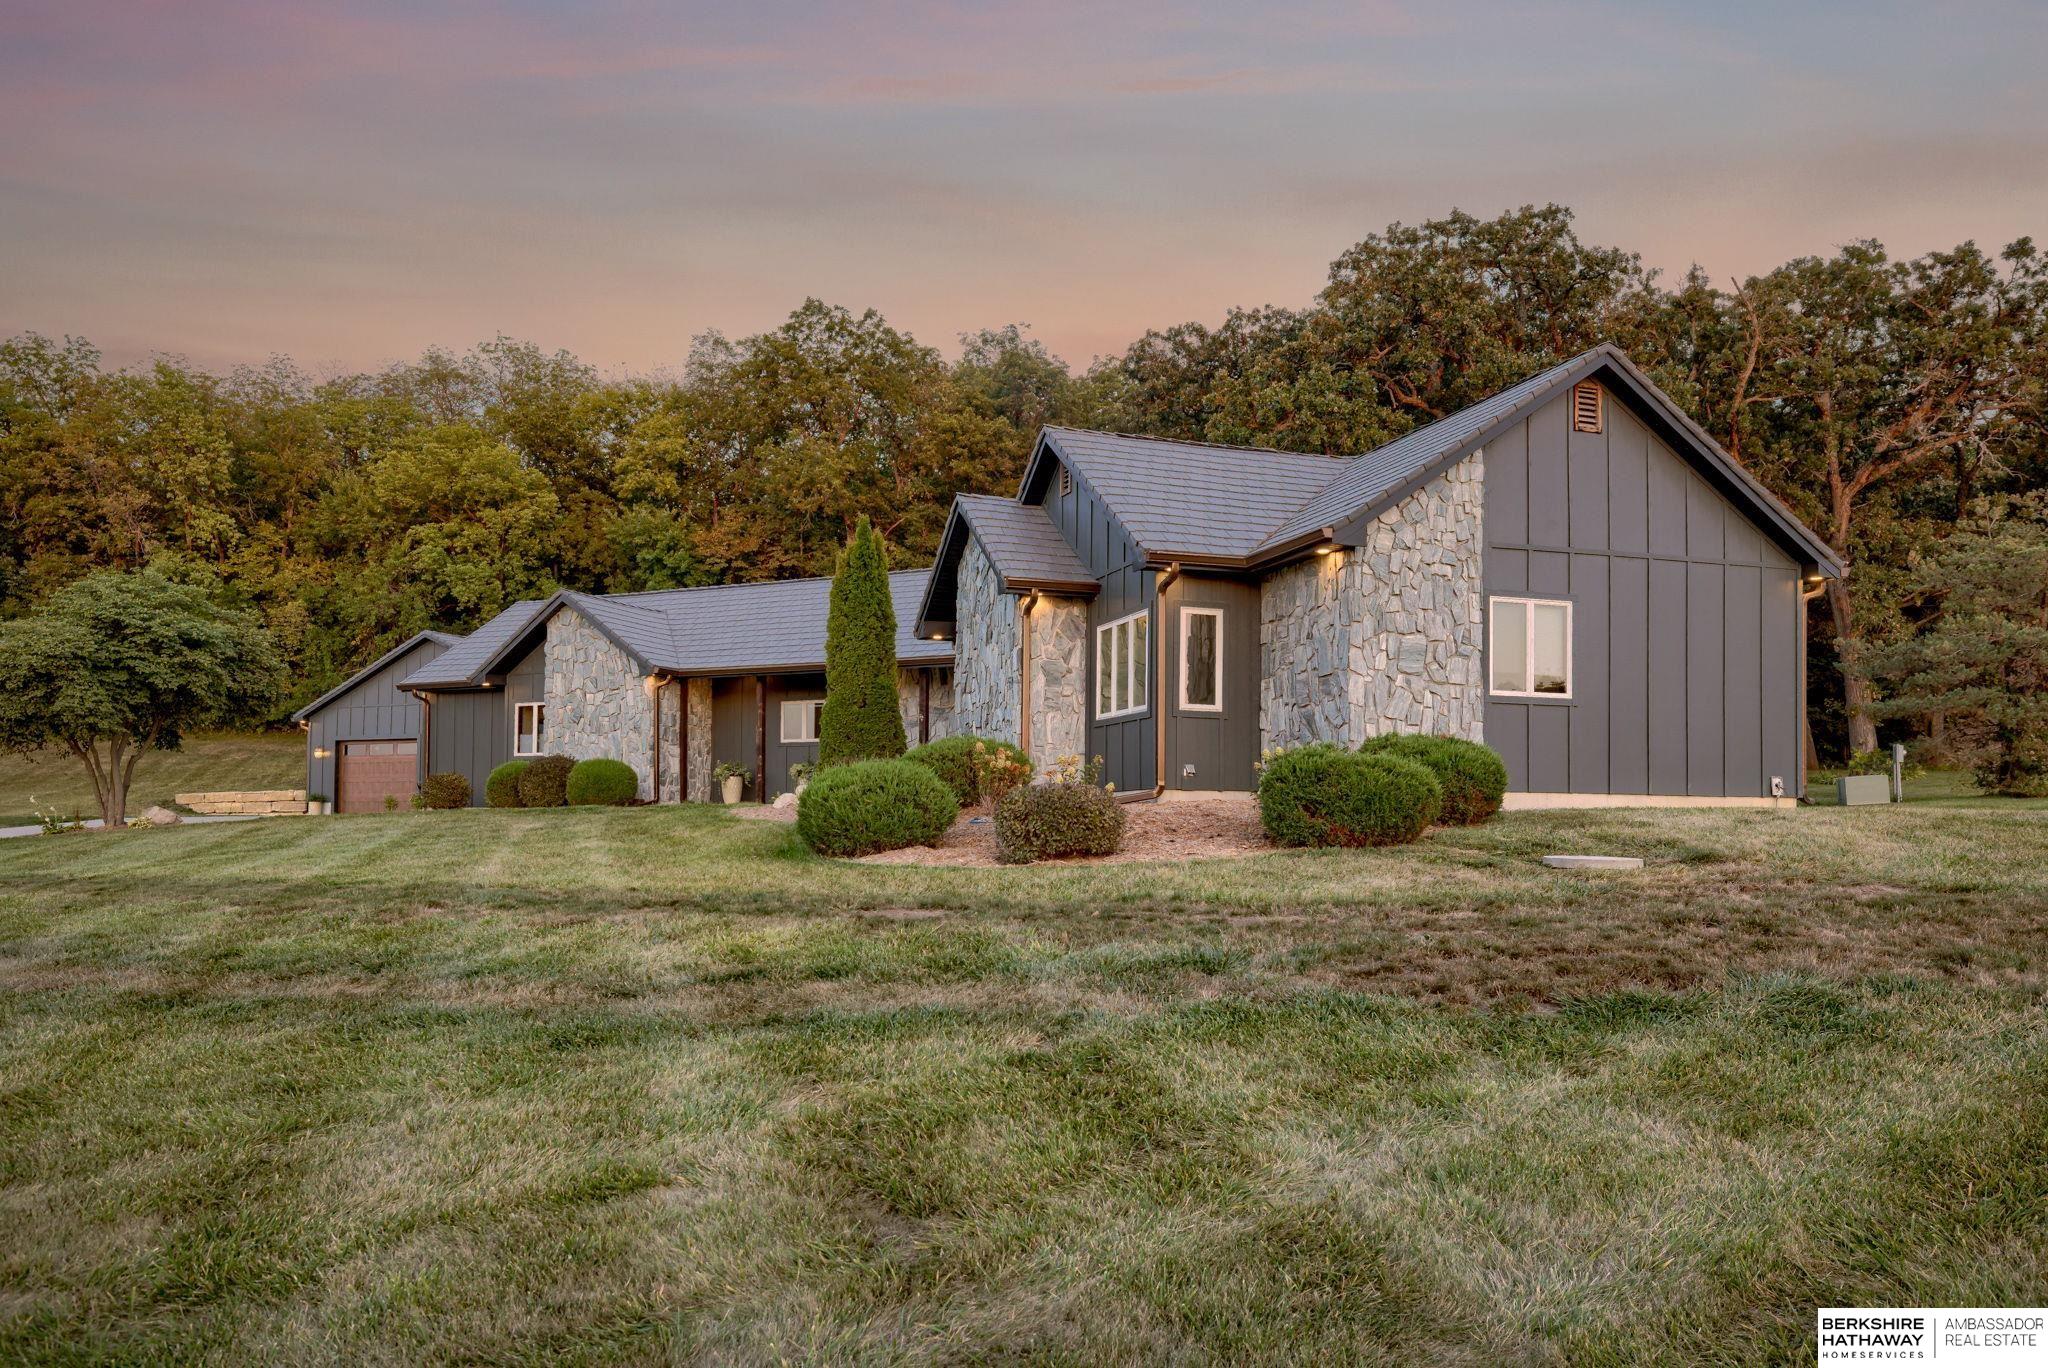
1529, 647
800, 719
1120, 665
1201, 659
529, 728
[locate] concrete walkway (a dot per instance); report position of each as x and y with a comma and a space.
95, 823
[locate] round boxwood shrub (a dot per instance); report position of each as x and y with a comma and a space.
874, 805
501, 789
1473, 777
602, 783
442, 791
952, 759
545, 782
1049, 821
1323, 795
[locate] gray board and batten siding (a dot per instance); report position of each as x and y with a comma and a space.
469, 731
1129, 745
1687, 619
369, 707
1222, 746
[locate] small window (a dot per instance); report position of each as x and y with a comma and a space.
800, 719
529, 728
1120, 676
1586, 406
1530, 647
1201, 659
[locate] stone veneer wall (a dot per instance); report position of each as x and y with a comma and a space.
1059, 679
701, 763
668, 702
598, 701
907, 703
984, 651
1383, 637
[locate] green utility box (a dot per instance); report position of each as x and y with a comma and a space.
1855, 790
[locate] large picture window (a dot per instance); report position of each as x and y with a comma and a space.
800, 719
1201, 659
1120, 656
1530, 647
529, 728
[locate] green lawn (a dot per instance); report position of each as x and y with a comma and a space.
207, 762
651, 1084
1949, 788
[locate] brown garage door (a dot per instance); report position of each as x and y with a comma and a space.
372, 771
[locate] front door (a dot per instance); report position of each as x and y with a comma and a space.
373, 771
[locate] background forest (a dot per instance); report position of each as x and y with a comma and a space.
1897, 406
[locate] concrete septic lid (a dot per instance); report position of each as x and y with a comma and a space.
1592, 862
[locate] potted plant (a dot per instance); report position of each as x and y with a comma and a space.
316, 804
732, 780
800, 774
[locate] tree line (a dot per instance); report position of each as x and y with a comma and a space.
1890, 403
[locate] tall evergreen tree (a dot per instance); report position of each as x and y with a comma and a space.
861, 720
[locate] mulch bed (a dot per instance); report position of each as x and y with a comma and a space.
1177, 829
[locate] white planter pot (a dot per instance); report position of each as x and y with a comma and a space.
734, 787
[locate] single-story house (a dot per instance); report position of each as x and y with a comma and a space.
673, 682
1570, 571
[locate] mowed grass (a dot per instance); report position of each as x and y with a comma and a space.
206, 762
645, 1085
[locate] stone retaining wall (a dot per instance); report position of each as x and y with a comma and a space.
244, 800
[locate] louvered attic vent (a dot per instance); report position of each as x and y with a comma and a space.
1586, 406
1066, 481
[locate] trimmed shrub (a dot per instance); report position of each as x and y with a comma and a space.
602, 783
442, 791
501, 789
862, 718
874, 805
1048, 821
1324, 795
952, 759
545, 782
1473, 777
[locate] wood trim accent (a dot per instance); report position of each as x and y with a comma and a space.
761, 739
924, 706
682, 740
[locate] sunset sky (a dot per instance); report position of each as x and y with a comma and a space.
227, 179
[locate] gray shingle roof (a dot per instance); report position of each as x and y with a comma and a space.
443, 638
1365, 479
736, 628
1027, 549
1193, 498
463, 663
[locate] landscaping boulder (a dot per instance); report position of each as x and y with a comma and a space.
160, 816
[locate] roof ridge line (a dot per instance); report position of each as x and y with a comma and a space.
1199, 442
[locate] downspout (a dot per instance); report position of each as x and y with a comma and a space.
1024, 674
426, 759
654, 699
924, 707
1159, 589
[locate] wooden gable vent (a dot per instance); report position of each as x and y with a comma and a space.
1586, 406
1066, 480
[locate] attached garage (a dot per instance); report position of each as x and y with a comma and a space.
377, 775
362, 737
